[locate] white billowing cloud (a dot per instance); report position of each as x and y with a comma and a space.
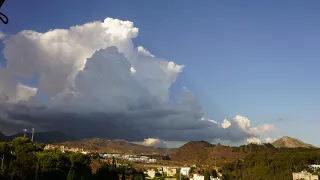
270, 140
155, 142
95, 67
59, 54
143, 51
253, 141
240, 126
244, 124
24, 93
120, 30
133, 70
264, 128
225, 124
2, 35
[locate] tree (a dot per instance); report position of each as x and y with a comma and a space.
21, 145
53, 165
81, 165
106, 172
72, 174
214, 173
206, 175
123, 177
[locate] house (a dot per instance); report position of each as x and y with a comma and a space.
314, 167
304, 175
151, 173
116, 155
201, 177
212, 178
197, 177
185, 171
170, 171
152, 160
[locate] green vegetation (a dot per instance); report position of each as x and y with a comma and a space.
206, 175
271, 163
24, 160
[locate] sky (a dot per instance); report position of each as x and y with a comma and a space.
256, 59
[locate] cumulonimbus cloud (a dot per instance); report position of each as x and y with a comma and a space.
99, 84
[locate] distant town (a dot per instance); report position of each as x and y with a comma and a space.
169, 172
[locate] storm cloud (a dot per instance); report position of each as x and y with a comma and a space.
100, 85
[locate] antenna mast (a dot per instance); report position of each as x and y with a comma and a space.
25, 133
32, 135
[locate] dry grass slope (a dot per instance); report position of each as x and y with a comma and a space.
204, 153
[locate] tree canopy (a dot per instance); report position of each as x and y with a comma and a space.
24, 160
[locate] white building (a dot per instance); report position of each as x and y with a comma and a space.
201, 177
212, 178
152, 160
116, 155
185, 171
151, 173
197, 177
170, 171
304, 175
314, 167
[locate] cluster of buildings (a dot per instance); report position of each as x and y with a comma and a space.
307, 175
132, 158
65, 149
304, 175
171, 172
168, 171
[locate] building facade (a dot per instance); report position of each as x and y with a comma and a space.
304, 175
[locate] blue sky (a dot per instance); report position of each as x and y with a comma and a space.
258, 59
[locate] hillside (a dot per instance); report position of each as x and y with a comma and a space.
289, 142
201, 152
204, 153
115, 146
41, 137
191, 152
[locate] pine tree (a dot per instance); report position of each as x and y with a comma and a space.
71, 174
206, 175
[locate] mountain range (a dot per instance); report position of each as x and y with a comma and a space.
193, 152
